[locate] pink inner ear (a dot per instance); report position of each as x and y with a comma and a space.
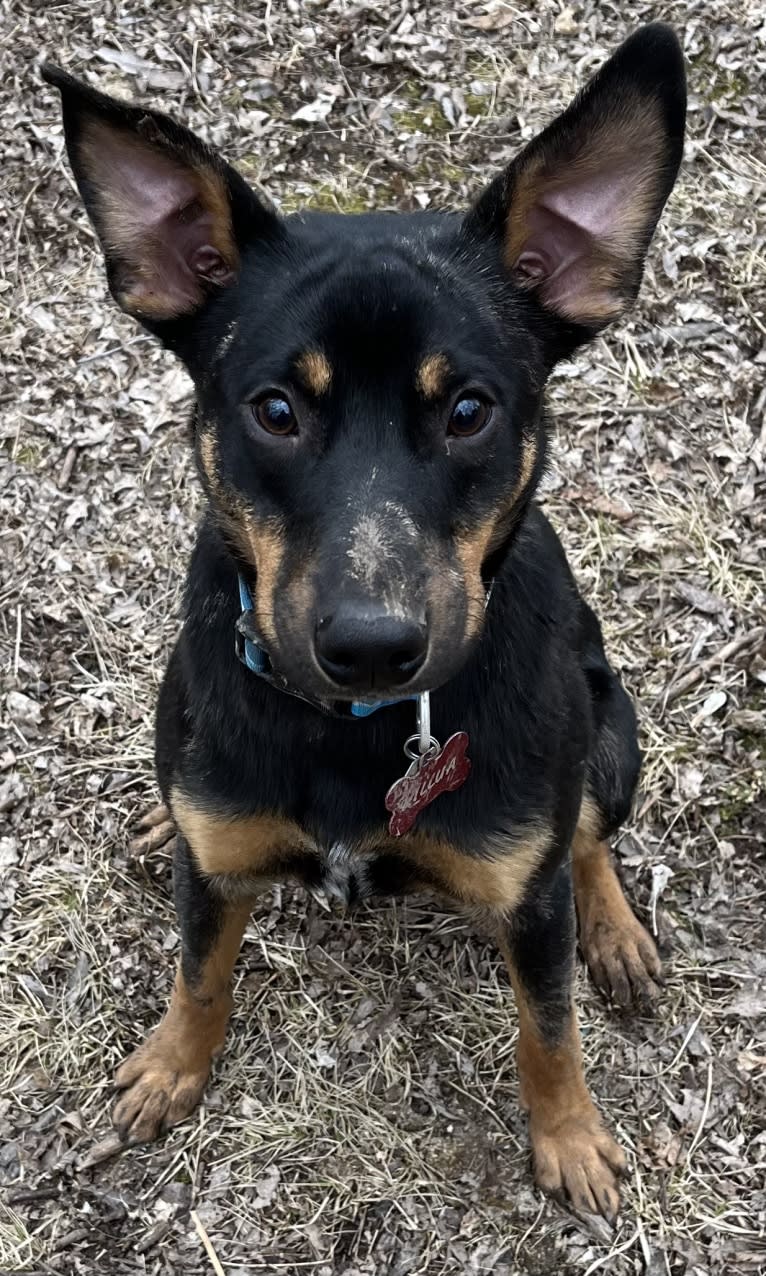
157, 217
569, 230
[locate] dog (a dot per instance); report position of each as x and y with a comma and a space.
386, 679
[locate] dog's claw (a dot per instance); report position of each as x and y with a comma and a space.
623, 961
160, 1089
155, 829
579, 1163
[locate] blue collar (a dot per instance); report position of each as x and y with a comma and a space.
256, 659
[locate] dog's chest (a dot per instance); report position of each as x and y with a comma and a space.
349, 873
345, 873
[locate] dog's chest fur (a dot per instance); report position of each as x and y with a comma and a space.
345, 873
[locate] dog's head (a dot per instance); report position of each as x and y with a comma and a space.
369, 423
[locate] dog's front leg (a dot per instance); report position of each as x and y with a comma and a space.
164, 1078
575, 1158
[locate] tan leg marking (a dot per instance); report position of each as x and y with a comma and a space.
165, 1077
497, 881
621, 955
221, 844
574, 1156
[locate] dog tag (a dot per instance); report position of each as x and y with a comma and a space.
437, 771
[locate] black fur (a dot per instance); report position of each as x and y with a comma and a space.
541, 942
200, 911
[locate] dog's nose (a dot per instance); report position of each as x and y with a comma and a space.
367, 648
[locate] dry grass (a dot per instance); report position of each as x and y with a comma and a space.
364, 1119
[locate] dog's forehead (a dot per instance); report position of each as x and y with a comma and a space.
362, 270
374, 293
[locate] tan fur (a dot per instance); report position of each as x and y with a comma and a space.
528, 458
589, 821
165, 1077
431, 378
472, 548
315, 371
620, 953
221, 844
208, 453
497, 880
260, 542
572, 1150
267, 547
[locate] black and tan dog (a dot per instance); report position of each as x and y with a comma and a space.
369, 432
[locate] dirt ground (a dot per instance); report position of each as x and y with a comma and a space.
364, 1118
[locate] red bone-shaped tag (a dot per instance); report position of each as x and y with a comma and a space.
444, 772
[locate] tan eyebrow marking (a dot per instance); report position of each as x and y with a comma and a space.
432, 376
315, 371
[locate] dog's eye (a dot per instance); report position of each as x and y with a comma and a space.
469, 415
274, 414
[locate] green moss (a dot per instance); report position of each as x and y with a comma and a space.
476, 103
426, 118
450, 172
328, 199
734, 812
716, 82
753, 742
418, 116
249, 164
29, 455
480, 68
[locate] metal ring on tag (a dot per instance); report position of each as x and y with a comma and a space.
418, 756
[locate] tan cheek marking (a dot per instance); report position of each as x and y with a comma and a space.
208, 455
432, 376
471, 549
498, 882
315, 371
252, 844
528, 458
260, 543
267, 549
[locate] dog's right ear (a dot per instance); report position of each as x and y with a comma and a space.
171, 216
574, 213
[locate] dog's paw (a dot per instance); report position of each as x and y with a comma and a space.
161, 1089
623, 959
154, 829
580, 1164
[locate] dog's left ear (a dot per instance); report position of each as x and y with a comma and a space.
171, 215
576, 210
